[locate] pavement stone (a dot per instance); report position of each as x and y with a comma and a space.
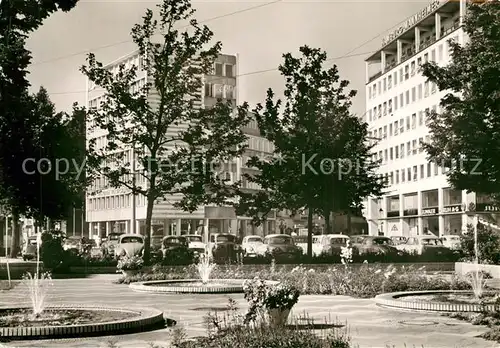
367, 324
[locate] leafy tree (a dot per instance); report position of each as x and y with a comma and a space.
179, 147
488, 243
464, 134
322, 160
17, 20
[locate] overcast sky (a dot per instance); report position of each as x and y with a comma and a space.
348, 29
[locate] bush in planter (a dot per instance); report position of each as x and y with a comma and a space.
271, 301
127, 263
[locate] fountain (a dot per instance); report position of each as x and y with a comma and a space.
39, 320
204, 284
478, 300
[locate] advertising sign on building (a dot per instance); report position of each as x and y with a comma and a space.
412, 21
455, 208
410, 212
430, 211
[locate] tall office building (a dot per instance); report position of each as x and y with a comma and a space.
111, 210
419, 199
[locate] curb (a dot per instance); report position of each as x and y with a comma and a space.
395, 300
147, 319
171, 288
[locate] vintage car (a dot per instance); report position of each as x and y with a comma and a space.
329, 244
301, 242
73, 244
365, 244
195, 243
279, 246
129, 245
224, 247
397, 240
452, 242
251, 244
29, 251
109, 244
173, 243
424, 244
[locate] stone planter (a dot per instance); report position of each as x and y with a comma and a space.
277, 317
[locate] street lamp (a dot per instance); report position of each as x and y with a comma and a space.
381, 223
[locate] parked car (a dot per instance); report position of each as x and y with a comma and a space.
195, 243
397, 240
224, 247
29, 251
329, 244
73, 244
301, 242
171, 243
280, 246
109, 244
129, 245
424, 244
251, 244
451, 241
374, 244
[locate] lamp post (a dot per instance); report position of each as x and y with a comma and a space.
381, 223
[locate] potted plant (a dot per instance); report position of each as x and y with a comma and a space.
130, 266
271, 302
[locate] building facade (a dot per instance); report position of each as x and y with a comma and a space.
112, 210
419, 199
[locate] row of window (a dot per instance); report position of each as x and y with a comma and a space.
259, 144
412, 148
399, 126
411, 96
221, 91
223, 69
409, 70
115, 202
414, 173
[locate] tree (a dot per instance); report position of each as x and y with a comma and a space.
17, 20
464, 134
322, 159
179, 147
488, 243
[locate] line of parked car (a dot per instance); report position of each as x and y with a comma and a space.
224, 246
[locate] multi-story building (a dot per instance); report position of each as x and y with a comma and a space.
419, 199
112, 210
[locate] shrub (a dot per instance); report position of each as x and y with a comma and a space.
488, 244
242, 337
52, 253
127, 263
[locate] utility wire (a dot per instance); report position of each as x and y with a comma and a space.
129, 41
256, 72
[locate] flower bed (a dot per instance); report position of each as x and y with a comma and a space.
364, 281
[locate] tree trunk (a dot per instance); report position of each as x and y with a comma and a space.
309, 232
147, 232
328, 226
349, 223
16, 235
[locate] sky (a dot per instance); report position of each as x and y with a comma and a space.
347, 30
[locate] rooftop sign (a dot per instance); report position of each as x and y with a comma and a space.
410, 22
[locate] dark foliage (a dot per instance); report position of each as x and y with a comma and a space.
51, 251
488, 242
464, 134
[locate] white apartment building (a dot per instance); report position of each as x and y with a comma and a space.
419, 199
111, 210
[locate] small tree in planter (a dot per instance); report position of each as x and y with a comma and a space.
270, 303
130, 266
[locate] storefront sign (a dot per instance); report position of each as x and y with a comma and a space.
430, 211
455, 208
487, 208
410, 212
392, 213
410, 22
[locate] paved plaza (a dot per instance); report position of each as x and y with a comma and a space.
368, 325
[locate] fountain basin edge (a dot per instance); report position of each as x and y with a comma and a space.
179, 286
147, 319
395, 300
